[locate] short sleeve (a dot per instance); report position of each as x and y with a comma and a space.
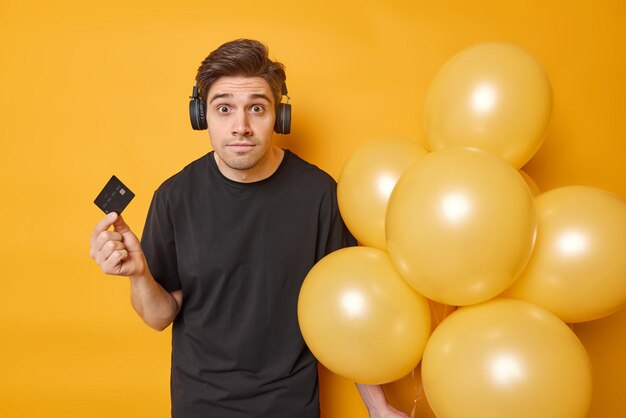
333, 234
159, 245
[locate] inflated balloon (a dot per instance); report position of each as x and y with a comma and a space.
460, 226
365, 183
492, 96
506, 358
360, 319
578, 267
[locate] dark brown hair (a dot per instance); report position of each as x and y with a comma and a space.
241, 57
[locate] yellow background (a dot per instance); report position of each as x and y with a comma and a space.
93, 89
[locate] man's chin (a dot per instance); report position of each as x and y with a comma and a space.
241, 162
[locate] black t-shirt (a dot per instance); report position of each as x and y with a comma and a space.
239, 252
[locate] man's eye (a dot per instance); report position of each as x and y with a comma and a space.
222, 109
257, 108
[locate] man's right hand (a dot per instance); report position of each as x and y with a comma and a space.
118, 251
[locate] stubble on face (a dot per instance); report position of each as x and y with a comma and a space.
240, 111
243, 154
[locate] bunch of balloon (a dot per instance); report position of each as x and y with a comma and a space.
461, 227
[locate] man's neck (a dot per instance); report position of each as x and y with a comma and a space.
264, 169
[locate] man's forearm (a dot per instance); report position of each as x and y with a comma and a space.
155, 305
373, 396
376, 403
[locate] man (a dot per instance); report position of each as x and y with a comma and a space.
226, 246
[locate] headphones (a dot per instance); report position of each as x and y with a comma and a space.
198, 115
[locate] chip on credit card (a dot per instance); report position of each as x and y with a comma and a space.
114, 197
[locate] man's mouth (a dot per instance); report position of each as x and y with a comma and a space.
241, 146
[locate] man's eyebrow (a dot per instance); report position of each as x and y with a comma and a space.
220, 96
260, 96
229, 95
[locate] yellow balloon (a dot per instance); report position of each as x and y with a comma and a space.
506, 358
578, 267
492, 96
365, 183
360, 319
460, 226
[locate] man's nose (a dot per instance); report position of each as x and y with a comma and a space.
241, 124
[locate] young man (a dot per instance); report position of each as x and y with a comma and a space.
226, 246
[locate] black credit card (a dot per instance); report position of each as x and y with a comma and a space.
114, 197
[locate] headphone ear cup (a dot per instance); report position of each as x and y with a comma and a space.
196, 114
202, 116
283, 119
